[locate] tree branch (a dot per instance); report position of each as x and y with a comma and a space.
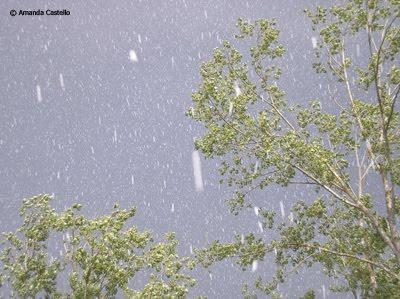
320, 248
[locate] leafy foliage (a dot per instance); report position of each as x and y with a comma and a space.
100, 256
351, 229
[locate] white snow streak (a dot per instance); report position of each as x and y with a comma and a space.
132, 56
260, 226
230, 108
256, 168
198, 179
254, 266
39, 93
238, 92
314, 42
115, 135
256, 210
62, 82
282, 209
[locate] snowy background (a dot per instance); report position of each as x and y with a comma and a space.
92, 110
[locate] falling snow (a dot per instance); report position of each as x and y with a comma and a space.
132, 56
198, 179
230, 108
39, 93
256, 210
254, 266
62, 82
260, 226
314, 42
256, 168
282, 209
238, 92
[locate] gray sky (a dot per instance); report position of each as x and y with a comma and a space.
108, 129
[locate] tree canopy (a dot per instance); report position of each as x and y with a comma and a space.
98, 257
349, 155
